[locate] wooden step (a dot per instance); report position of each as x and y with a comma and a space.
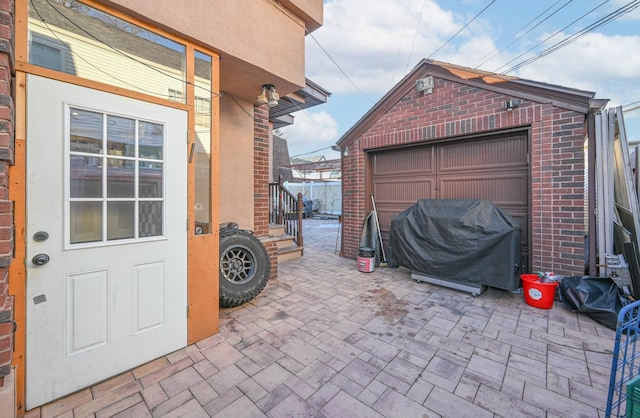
284, 241
287, 249
276, 230
290, 253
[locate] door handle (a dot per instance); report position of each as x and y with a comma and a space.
40, 259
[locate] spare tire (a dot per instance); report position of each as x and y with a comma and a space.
228, 228
244, 268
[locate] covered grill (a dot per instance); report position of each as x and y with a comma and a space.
472, 243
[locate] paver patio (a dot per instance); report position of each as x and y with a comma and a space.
325, 340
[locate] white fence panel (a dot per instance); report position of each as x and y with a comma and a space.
328, 194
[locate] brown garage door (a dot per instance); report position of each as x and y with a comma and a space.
494, 168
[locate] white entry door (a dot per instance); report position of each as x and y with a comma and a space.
106, 236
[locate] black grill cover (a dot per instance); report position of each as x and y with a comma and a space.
464, 241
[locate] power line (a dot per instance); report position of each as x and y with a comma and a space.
516, 39
592, 27
599, 23
549, 37
310, 152
238, 103
133, 58
415, 35
395, 64
339, 68
55, 35
304, 112
463, 28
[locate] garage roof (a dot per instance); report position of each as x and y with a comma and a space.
559, 96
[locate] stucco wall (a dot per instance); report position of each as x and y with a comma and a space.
312, 10
455, 109
236, 162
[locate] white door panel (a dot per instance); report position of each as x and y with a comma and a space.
113, 294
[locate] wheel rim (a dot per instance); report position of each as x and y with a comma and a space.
238, 264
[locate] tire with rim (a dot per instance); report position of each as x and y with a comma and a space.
244, 268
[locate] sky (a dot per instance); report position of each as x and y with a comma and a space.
365, 47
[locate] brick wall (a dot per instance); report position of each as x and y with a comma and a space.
354, 204
6, 159
261, 182
455, 109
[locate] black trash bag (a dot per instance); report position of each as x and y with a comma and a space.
598, 297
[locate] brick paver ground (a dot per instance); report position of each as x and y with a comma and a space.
325, 340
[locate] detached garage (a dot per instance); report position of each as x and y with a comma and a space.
449, 132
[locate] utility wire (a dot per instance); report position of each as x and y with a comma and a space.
583, 32
599, 23
517, 38
463, 28
55, 35
304, 111
415, 35
310, 152
339, 68
114, 49
238, 103
549, 37
134, 86
395, 64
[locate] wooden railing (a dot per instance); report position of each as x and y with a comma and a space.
286, 209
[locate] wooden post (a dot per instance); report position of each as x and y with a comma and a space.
300, 209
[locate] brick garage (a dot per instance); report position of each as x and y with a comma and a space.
466, 106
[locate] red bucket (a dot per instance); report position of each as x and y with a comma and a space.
538, 294
366, 264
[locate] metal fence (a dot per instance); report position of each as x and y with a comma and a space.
623, 399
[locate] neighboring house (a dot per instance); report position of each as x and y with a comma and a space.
281, 115
315, 177
281, 165
130, 130
450, 132
315, 168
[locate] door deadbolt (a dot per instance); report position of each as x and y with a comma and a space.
40, 236
40, 259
